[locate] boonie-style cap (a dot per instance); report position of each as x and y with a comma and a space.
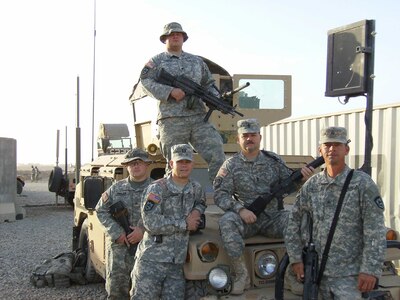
248, 126
334, 135
182, 152
170, 28
135, 154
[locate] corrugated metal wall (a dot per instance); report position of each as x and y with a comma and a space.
300, 137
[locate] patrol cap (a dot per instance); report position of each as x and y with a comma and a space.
182, 152
248, 126
135, 154
170, 28
334, 135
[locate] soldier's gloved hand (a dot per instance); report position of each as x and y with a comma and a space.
247, 216
136, 235
122, 239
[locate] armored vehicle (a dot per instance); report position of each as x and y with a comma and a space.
267, 98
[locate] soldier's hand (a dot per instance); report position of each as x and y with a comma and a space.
122, 239
366, 282
193, 220
307, 172
298, 269
247, 216
136, 235
177, 94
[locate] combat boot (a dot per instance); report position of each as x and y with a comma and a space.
242, 280
292, 284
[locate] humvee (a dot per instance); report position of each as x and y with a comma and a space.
207, 270
111, 139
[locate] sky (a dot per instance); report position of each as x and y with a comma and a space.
47, 44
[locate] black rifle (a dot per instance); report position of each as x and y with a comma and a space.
281, 190
310, 261
120, 214
192, 88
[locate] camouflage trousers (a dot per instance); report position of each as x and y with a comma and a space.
339, 288
157, 280
203, 137
118, 272
233, 230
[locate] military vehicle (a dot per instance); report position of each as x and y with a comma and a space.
111, 139
267, 98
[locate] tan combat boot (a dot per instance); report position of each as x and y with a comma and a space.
242, 280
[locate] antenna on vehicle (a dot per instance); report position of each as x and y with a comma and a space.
94, 74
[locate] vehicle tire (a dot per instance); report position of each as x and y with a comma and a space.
195, 289
55, 179
89, 271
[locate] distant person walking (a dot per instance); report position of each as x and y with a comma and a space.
37, 174
33, 172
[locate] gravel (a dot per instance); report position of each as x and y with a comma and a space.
44, 232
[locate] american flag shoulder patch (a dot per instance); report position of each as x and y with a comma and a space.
222, 172
154, 198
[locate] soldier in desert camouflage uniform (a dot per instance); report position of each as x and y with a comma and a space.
245, 176
171, 208
129, 190
180, 117
358, 246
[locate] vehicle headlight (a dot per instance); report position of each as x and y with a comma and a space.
266, 264
208, 251
219, 279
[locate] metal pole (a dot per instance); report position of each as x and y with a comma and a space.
66, 167
77, 137
370, 95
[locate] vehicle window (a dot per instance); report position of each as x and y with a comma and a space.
262, 93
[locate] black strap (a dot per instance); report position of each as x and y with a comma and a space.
333, 226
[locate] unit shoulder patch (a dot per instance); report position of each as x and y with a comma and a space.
379, 202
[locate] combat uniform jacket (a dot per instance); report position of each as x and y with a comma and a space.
246, 180
164, 212
359, 241
189, 65
131, 197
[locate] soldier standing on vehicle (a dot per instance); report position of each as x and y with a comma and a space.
181, 117
128, 191
358, 245
241, 179
171, 208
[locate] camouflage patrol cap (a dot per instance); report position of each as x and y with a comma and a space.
334, 135
182, 152
248, 126
170, 28
135, 154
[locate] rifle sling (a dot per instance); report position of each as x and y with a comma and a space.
333, 226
